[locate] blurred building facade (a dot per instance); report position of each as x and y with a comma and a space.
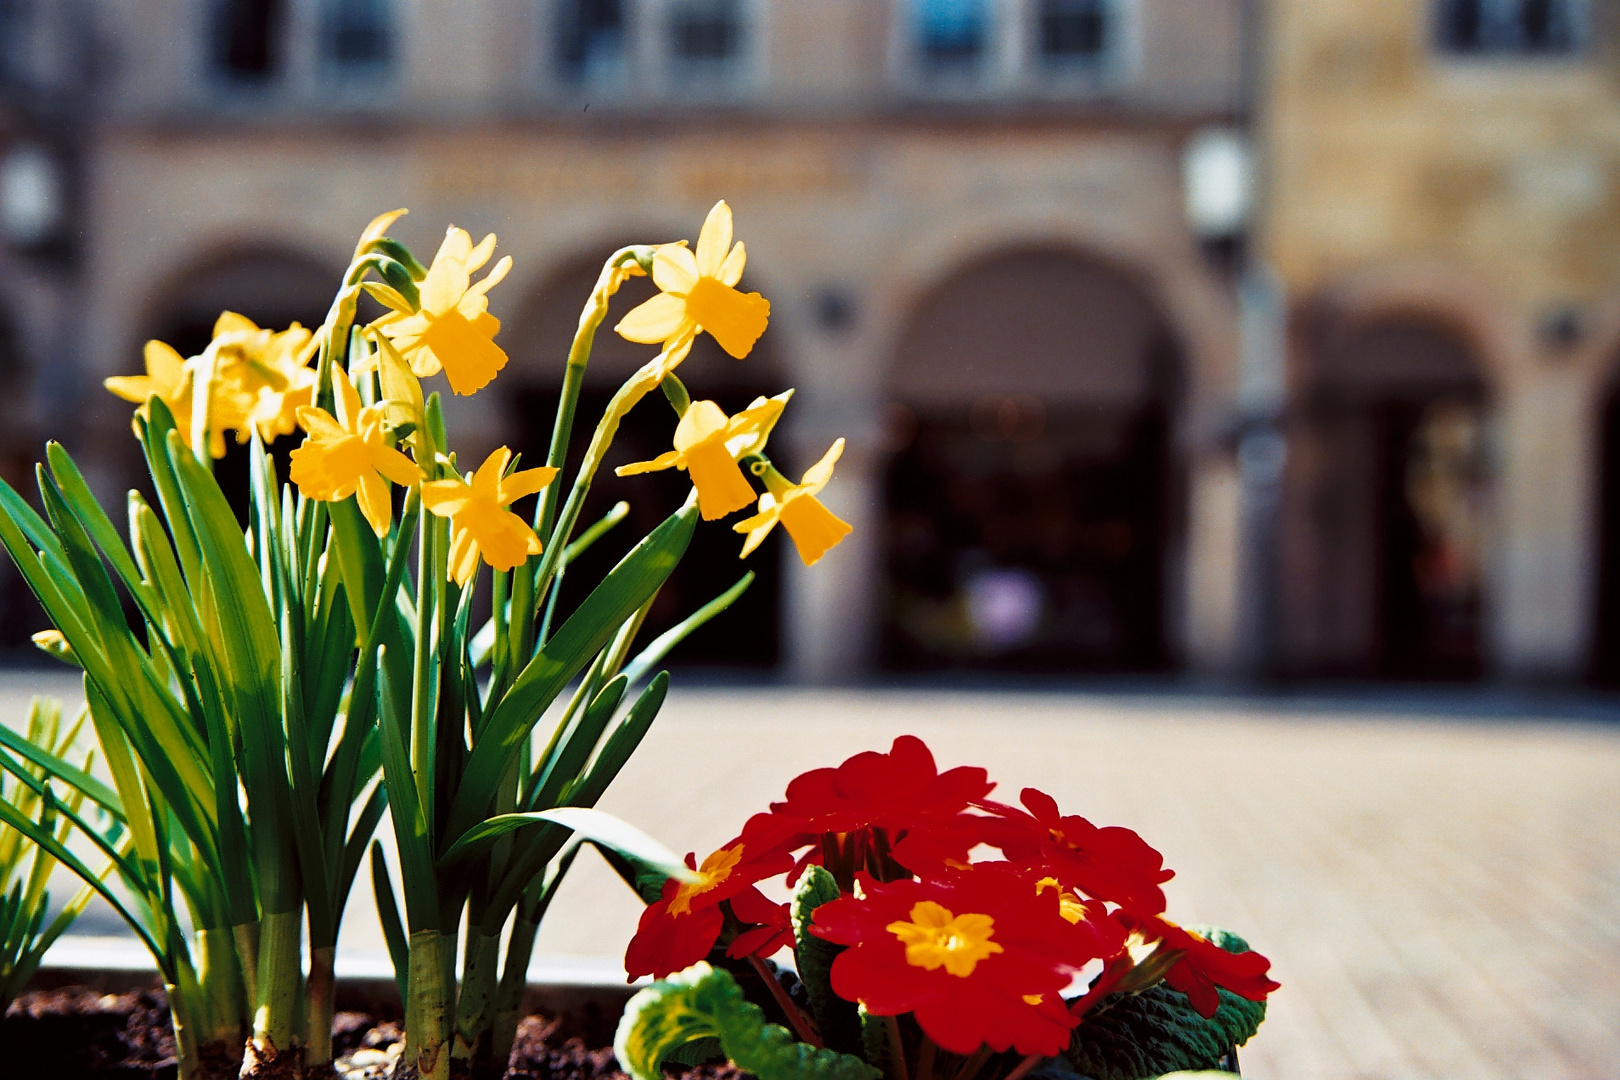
971, 219
1444, 214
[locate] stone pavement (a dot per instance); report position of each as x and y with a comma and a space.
1436, 879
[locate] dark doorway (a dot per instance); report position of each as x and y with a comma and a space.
1031, 494
274, 289
746, 636
1388, 506
1036, 550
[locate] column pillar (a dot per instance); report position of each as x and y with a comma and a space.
1541, 599
832, 611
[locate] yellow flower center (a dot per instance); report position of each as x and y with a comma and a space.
1069, 905
715, 869
935, 938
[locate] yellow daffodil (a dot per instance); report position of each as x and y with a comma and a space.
699, 293
167, 378
454, 330
707, 446
480, 522
262, 377
349, 454
813, 527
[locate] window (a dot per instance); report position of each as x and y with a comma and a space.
705, 32
16, 18
247, 39
1072, 30
951, 34
1511, 27
591, 37
355, 35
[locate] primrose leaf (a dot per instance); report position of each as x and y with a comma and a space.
836, 1019
1157, 1031
703, 1003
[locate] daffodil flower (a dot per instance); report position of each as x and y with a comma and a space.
261, 377
699, 293
168, 379
813, 527
454, 330
349, 454
480, 523
707, 445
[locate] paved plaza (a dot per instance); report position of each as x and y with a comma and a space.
1435, 877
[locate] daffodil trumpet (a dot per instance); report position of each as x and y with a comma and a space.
287, 682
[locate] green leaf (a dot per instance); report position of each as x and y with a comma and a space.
583, 635
599, 827
660, 646
399, 950
1157, 1031
701, 1003
836, 1019
567, 764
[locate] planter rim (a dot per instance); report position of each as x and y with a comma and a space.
121, 955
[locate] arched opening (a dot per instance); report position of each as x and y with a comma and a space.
537, 341
1030, 495
1391, 506
20, 614
271, 286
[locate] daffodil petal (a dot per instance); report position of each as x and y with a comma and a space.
654, 321
674, 269
721, 486
526, 482
701, 420
493, 278
479, 255
375, 504
731, 271
395, 465
816, 476
348, 400
736, 320
446, 498
136, 388
813, 528
666, 460
319, 423
714, 242
378, 228
486, 482
163, 363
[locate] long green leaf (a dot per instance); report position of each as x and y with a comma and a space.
580, 637
594, 825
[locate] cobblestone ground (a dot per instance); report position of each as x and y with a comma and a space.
1437, 882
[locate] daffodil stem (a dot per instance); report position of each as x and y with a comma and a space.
801, 1026
970, 1068
675, 390
1023, 1067
897, 1050
926, 1052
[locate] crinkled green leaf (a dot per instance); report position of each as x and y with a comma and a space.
837, 1019
1157, 1031
702, 1002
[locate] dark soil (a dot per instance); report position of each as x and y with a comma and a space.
76, 1033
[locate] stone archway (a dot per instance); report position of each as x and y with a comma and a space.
1388, 504
271, 285
1032, 489
537, 339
